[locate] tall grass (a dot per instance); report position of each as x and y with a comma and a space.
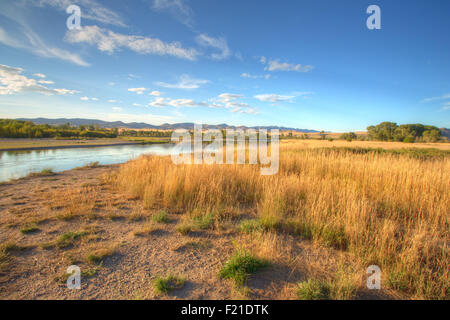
388, 209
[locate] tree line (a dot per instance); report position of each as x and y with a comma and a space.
390, 131
27, 129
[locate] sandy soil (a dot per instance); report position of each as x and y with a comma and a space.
58, 204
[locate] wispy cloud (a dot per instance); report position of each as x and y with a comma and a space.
275, 98
90, 10
138, 90
87, 99
108, 41
185, 82
227, 101
216, 43
252, 76
30, 41
276, 65
228, 97
177, 8
12, 81
439, 98
231, 102
45, 82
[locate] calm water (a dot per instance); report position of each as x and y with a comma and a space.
18, 164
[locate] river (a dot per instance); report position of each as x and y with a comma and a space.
18, 164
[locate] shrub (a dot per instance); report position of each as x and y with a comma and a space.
313, 290
167, 284
240, 266
161, 217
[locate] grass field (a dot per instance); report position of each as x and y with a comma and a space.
309, 232
390, 209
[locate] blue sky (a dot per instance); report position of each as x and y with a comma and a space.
304, 64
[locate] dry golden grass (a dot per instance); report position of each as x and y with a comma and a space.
315, 143
384, 209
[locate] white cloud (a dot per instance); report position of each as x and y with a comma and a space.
185, 82
225, 100
21, 36
228, 97
158, 102
155, 93
276, 65
90, 10
94, 99
443, 97
177, 103
30, 41
109, 42
216, 43
251, 76
112, 84
273, 98
40, 75
137, 105
178, 8
112, 101
117, 108
138, 90
65, 91
12, 81
263, 60
84, 99
229, 101
45, 82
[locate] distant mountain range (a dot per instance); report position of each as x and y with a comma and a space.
141, 125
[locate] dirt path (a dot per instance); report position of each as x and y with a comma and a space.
80, 201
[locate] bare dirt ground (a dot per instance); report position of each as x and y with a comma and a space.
80, 200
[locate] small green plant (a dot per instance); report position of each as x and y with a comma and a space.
271, 222
164, 285
29, 229
69, 238
313, 290
97, 256
66, 216
241, 265
184, 228
203, 222
250, 226
335, 238
161, 217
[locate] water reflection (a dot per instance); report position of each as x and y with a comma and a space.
17, 164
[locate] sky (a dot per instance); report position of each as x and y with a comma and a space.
310, 64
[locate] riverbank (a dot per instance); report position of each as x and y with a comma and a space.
48, 144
